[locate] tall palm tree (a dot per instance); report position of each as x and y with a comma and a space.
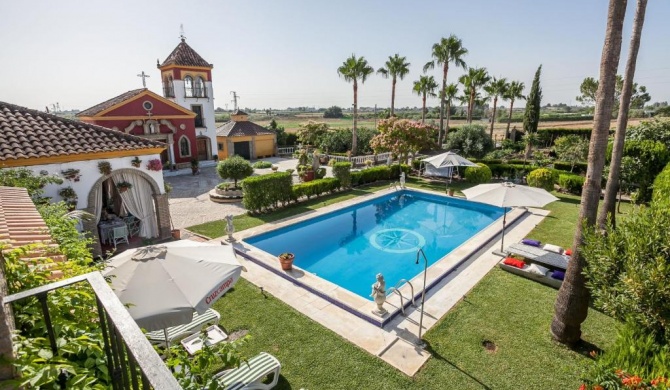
514, 92
424, 87
572, 303
449, 94
472, 81
396, 67
608, 209
353, 70
495, 89
446, 51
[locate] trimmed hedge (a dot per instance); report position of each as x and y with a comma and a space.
315, 188
661, 192
542, 178
571, 183
342, 172
370, 175
262, 164
397, 168
266, 191
477, 175
509, 170
566, 166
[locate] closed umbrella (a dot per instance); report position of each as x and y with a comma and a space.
163, 285
509, 195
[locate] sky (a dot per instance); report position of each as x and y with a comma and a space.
277, 54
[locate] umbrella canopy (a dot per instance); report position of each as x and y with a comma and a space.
164, 284
509, 195
449, 159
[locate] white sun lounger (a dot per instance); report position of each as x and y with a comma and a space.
539, 256
176, 333
249, 375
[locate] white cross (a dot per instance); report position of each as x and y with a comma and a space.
144, 77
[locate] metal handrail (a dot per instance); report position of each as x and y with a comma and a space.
402, 302
401, 281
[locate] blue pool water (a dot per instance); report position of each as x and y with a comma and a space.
350, 246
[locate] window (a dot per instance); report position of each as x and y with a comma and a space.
220, 145
188, 86
184, 147
168, 89
198, 116
148, 105
200, 87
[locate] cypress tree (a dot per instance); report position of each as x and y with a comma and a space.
531, 117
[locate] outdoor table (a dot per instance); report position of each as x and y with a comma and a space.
106, 228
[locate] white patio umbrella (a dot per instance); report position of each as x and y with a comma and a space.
435, 164
165, 284
509, 195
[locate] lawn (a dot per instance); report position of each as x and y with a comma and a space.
511, 312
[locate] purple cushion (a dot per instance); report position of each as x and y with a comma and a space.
530, 242
560, 275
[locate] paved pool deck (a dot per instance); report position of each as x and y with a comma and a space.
396, 342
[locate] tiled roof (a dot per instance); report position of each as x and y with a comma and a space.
239, 112
239, 129
26, 133
111, 102
184, 55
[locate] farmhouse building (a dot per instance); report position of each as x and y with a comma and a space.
244, 138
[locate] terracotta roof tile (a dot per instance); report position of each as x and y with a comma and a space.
239, 129
184, 55
48, 135
111, 102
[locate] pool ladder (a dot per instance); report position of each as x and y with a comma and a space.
394, 289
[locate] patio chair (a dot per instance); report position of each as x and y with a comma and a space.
539, 256
133, 225
176, 333
120, 235
249, 375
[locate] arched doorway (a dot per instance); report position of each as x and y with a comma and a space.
143, 200
203, 148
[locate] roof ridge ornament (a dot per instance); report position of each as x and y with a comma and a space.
182, 36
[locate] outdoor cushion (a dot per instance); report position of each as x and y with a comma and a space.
568, 252
560, 275
530, 242
553, 248
537, 269
514, 262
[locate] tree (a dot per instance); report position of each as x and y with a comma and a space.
471, 141
353, 70
531, 116
572, 303
402, 137
424, 87
495, 89
448, 50
235, 167
449, 94
589, 88
310, 132
472, 81
654, 130
514, 92
571, 148
395, 67
609, 202
333, 112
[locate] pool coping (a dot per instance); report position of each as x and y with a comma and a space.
347, 300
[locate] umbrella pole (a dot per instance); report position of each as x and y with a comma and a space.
167, 342
502, 241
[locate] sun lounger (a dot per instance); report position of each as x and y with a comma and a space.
249, 375
546, 280
177, 333
539, 256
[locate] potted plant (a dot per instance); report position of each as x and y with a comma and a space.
286, 260
195, 164
155, 165
450, 191
105, 167
71, 174
69, 196
123, 186
136, 162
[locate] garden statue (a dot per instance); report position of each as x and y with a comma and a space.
230, 229
379, 295
402, 179
315, 162
389, 160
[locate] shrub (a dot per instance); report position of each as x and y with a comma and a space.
235, 167
655, 130
662, 186
320, 173
652, 156
477, 175
571, 148
471, 140
315, 188
333, 112
571, 167
571, 183
262, 165
396, 169
342, 172
370, 175
542, 178
266, 191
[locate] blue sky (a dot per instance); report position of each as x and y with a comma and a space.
276, 54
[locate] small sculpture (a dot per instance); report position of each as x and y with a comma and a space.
379, 295
230, 229
402, 179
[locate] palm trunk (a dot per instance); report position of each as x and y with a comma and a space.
445, 70
609, 203
393, 96
354, 140
493, 118
448, 113
572, 303
509, 119
423, 109
471, 104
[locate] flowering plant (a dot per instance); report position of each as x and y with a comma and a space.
155, 165
136, 162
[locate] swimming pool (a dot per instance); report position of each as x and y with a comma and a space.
348, 247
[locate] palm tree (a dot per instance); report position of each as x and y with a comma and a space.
448, 50
472, 81
608, 208
353, 70
449, 94
424, 87
495, 89
572, 303
514, 91
396, 67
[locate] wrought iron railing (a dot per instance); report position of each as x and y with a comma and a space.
131, 360
287, 150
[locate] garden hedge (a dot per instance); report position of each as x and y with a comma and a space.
571, 183
370, 175
652, 156
661, 192
566, 166
542, 178
266, 191
315, 188
342, 172
477, 175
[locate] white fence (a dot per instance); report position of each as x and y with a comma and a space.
360, 160
288, 150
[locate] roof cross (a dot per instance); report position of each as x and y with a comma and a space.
144, 77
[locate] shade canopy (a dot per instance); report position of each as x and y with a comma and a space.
449, 159
163, 285
509, 195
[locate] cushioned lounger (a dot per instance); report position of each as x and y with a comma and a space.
538, 256
249, 375
551, 282
175, 333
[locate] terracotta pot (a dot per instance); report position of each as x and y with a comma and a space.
287, 263
450, 192
176, 234
123, 189
308, 176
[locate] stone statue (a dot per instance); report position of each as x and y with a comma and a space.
230, 229
402, 179
379, 295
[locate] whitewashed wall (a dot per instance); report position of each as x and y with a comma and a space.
207, 104
89, 174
